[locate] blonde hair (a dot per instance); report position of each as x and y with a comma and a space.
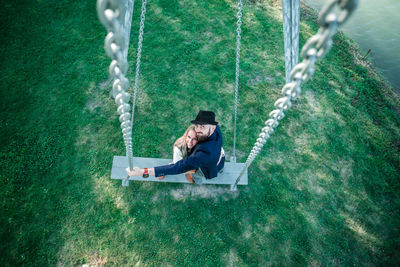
181, 141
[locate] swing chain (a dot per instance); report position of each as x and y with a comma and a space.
346, 9
315, 48
238, 38
111, 14
139, 55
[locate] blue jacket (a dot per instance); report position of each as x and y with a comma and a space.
204, 156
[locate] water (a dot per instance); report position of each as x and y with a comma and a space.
375, 25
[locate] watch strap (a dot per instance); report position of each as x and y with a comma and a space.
146, 173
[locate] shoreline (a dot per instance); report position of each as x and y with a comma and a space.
362, 58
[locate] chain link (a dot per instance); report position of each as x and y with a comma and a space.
315, 48
238, 38
346, 8
139, 55
111, 14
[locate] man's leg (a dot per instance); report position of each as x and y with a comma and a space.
198, 177
189, 176
195, 176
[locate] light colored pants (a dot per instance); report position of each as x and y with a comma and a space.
198, 177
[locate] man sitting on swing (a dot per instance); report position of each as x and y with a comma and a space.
206, 159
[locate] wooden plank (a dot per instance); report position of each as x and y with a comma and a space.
230, 172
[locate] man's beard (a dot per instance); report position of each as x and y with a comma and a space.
203, 137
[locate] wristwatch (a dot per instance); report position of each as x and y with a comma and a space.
146, 173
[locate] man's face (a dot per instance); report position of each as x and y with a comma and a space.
203, 131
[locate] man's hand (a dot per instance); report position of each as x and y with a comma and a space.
135, 171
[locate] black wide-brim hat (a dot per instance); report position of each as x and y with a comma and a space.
205, 117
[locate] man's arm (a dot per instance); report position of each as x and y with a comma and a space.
200, 158
190, 163
136, 171
194, 161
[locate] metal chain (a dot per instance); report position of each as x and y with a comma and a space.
238, 38
129, 6
291, 20
315, 48
111, 14
295, 31
139, 55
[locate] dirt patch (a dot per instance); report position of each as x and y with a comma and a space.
204, 191
311, 100
231, 258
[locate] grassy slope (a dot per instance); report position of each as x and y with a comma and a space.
323, 191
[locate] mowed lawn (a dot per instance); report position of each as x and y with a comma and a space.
324, 191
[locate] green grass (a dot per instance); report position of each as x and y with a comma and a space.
324, 190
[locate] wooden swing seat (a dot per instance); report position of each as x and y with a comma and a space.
228, 176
